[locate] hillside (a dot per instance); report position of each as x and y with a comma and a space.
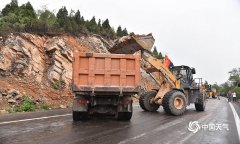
40, 67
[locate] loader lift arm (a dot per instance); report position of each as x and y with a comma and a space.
177, 88
133, 43
169, 82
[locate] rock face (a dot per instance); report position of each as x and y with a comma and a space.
21, 58
31, 64
44, 59
61, 58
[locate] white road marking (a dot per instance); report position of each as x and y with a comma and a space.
154, 131
39, 118
237, 120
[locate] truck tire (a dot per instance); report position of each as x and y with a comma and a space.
174, 103
201, 104
141, 102
79, 116
144, 101
124, 116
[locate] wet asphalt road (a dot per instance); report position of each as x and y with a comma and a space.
144, 127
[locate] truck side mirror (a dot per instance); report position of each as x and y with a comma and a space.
193, 71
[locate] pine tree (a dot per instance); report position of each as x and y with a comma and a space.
62, 13
10, 8
24, 18
92, 25
93, 21
27, 11
77, 17
119, 31
62, 16
124, 32
155, 52
99, 23
160, 56
106, 24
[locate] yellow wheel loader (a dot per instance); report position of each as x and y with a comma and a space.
210, 91
177, 86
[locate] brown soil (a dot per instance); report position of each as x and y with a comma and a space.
49, 96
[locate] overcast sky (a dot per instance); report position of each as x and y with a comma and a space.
204, 34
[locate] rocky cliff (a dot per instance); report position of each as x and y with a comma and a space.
40, 67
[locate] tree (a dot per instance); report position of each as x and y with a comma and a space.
119, 31
160, 56
155, 52
72, 13
10, 8
93, 21
237, 91
29, 10
226, 87
24, 18
47, 20
26, 11
106, 24
62, 17
99, 23
124, 32
92, 25
77, 17
234, 77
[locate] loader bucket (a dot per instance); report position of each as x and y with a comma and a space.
133, 43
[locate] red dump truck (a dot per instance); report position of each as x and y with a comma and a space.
104, 83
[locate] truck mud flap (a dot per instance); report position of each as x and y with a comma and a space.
125, 105
80, 105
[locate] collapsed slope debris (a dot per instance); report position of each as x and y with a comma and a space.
40, 67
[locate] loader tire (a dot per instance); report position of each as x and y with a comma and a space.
124, 116
145, 101
201, 104
79, 116
174, 103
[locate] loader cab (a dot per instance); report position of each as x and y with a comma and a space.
208, 87
185, 74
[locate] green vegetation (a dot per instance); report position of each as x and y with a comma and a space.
156, 54
121, 32
58, 84
10, 110
26, 106
15, 18
232, 85
45, 107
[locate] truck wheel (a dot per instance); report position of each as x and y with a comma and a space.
77, 116
124, 116
145, 101
174, 103
201, 104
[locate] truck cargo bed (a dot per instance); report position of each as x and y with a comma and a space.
106, 73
